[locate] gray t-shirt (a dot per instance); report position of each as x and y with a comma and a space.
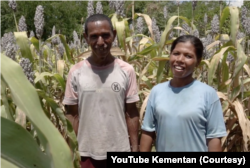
184, 117
101, 94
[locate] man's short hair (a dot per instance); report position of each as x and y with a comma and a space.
97, 17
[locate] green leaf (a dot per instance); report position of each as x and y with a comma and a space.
41, 76
20, 148
235, 93
147, 50
35, 42
168, 28
120, 29
8, 110
224, 15
160, 71
26, 98
160, 58
3, 112
114, 19
67, 49
204, 62
60, 67
246, 81
23, 42
60, 80
20, 117
224, 73
58, 77
72, 141
47, 52
225, 106
241, 59
54, 106
148, 21
71, 135
234, 20
214, 64
246, 94
7, 164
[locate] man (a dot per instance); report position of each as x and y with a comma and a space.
102, 90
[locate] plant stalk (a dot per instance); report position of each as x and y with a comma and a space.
15, 21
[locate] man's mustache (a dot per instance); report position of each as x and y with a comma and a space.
99, 47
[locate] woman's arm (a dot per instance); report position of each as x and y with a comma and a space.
146, 141
214, 145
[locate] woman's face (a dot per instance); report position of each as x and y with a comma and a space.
183, 60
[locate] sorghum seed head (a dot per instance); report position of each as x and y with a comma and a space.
61, 50
27, 69
22, 24
55, 40
194, 3
215, 24
99, 8
112, 4
156, 30
205, 18
139, 25
11, 51
119, 8
90, 8
76, 39
39, 21
165, 12
7, 38
32, 34
12, 4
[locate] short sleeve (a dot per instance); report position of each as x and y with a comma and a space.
215, 127
149, 120
132, 91
71, 95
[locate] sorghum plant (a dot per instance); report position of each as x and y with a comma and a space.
11, 51
27, 69
39, 21
22, 26
13, 5
215, 24
156, 31
90, 8
119, 8
55, 40
99, 8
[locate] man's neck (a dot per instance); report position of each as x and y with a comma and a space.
97, 62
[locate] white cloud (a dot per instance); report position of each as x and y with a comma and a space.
237, 3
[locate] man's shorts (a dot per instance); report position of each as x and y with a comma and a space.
87, 162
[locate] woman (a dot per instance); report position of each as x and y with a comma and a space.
183, 113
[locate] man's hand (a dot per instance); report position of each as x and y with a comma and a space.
72, 116
132, 119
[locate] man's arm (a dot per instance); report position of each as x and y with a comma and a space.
214, 145
132, 119
72, 116
146, 141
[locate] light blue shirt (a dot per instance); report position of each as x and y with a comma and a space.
184, 117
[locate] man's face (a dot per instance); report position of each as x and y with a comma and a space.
100, 38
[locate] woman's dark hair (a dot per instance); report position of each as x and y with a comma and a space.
193, 40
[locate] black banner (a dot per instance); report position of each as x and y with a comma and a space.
160, 159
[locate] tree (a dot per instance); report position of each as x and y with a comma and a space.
246, 4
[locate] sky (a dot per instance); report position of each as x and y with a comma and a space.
237, 3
